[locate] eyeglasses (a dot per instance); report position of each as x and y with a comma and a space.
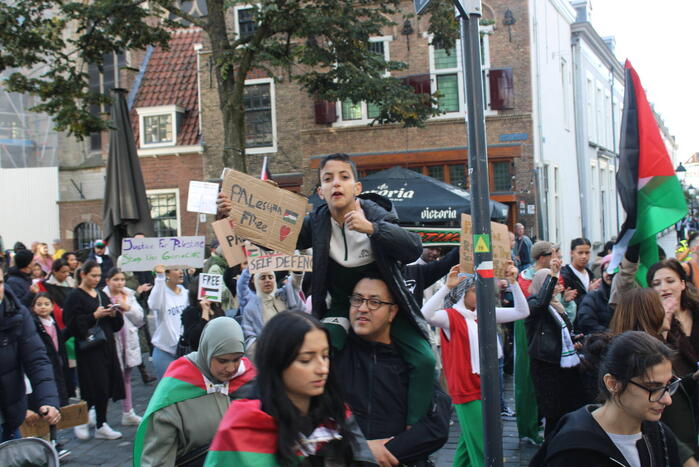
654, 395
372, 303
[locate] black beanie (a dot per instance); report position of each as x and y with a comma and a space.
23, 258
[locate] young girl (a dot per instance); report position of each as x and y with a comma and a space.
300, 413
460, 354
637, 384
127, 342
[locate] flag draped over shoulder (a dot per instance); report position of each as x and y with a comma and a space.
649, 190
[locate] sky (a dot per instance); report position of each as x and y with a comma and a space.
660, 40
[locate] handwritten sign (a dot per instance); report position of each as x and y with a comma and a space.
210, 287
202, 197
499, 243
71, 415
280, 262
144, 254
231, 244
264, 214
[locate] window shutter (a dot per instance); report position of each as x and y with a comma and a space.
326, 112
502, 93
420, 83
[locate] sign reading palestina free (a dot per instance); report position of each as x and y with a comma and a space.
498, 242
262, 213
144, 254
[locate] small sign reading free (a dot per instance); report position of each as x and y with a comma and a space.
210, 287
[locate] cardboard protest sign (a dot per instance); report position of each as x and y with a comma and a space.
280, 262
210, 287
144, 254
71, 415
498, 243
262, 213
231, 244
202, 197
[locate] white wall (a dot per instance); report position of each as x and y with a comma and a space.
28, 209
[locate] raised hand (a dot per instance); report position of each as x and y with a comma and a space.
453, 278
356, 220
555, 266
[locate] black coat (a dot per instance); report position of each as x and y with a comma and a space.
423, 275
579, 441
99, 372
392, 246
571, 281
594, 313
378, 377
19, 282
543, 330
21, 351
58, 359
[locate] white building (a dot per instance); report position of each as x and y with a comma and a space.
599, 95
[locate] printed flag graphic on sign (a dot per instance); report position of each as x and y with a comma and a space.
290, 217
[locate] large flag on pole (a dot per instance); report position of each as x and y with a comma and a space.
649, 190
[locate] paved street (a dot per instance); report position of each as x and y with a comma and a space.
118, 453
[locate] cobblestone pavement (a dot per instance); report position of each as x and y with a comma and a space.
118, 452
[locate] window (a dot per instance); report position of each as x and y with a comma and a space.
102, 82
159, 125
85, 235
362, 112
457, 175
599, 116
502, 176
608, 129
565, 93
590, 107
246, 22
164, 209
454, 174
260, 131
436, 171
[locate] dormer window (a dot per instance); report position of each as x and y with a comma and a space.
159, 125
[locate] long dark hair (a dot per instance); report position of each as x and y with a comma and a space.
277, 348
689, 300
87, 266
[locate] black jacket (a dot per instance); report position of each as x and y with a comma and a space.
579, 441
378, 378
392, 246
19, 282
21, 352
571, 281
58, 359
594, 313
420, 276
543, 330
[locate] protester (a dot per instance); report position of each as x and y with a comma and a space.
637, 384
426, 275
196, 316
19, 279
91, 318
300, 413
216, 264
553, 357
691, 267
577, 275
58, 285
72, 260
22, 354
601, 262
43, 258
58, 250
522, 249
260, 306
191, 399
371, 364
167, 300
595, 313
127, 342
37, 273
98, 254
453, 310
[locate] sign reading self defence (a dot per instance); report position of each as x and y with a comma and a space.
210, 287
144, 254
498, 242
231, 244
262, 213
280, 262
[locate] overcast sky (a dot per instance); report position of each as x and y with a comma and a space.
661, 40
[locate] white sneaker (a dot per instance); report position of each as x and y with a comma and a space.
106, 432
130, 418
91, 417
82, 432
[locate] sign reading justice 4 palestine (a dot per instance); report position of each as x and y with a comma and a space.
262, 213
144, 254
499, 243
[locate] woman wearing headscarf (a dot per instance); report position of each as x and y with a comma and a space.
192, 397
554, 360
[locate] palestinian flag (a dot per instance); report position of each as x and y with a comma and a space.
182, 381
648, 187
265, 174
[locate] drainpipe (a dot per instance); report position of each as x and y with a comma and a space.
581, 135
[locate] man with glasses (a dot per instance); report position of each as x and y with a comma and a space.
100, 256
372, 367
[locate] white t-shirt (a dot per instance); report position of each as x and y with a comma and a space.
167, 307
627, 445
583, 276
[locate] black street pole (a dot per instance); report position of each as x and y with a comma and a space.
469, 17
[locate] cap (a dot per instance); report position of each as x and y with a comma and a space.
542, 248
100, 244
23, 258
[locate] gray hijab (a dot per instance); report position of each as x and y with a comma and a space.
221, 336
458, 292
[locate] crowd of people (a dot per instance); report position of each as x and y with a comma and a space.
363, 360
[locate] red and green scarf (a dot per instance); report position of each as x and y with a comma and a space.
182, 381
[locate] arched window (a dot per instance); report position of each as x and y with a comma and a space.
85, 235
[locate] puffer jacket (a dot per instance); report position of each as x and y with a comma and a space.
594, 313
392, 246
19, 282
543, 330
129, 350
22, 352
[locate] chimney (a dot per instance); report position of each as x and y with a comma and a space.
611, 43
583, 8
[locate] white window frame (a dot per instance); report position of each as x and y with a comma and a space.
168, 191
590, 108
565, 90
364, 120
273, 100
236, 25
171, 110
